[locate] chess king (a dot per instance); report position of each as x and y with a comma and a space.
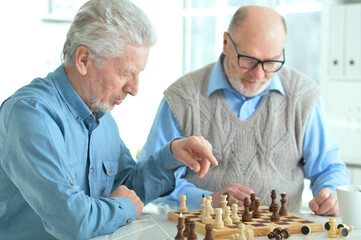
266, 122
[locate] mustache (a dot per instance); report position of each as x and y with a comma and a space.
120, 96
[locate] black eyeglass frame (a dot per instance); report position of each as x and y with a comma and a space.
257, 60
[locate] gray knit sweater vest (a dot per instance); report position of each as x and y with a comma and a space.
263, 152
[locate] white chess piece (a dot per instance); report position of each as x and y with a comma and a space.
228, 220
207, 218
241, 235
219, 222
183, 207
235, 217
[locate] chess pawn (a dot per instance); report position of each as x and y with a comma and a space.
241, 235
209, 232
183, 208
228, 220
332, 233
275, 217
253, 201
235, 217
249, 234
187, 227
246, 216
283, 210
305, 230
218, 222
256, 212
348, 227
192, 234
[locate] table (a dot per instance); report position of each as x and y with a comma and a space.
157, 227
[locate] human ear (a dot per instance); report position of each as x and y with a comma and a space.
225, 41
82, 59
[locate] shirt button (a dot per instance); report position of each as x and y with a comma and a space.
128, 221
78, 118
90, 117
110, 170
91, 170
174, 165
76, 176
72, 183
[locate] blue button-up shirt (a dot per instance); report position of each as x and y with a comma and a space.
320, 149
59, 162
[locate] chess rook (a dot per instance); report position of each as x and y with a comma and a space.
183, 206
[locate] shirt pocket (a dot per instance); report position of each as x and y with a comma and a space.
110, 170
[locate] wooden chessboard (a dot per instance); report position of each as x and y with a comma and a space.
260, 226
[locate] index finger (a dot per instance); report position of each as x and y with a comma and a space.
206, 154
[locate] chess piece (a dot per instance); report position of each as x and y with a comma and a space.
209, 232
179, 235
227, 220
192, 234
273, 197
207, 218
342, 232
182, 207
187, 227
285, 233
249, 234
256, 212
275, 217
211, 210
332, 233
241, 235
219, 222
253, 200
224, 204
327, 226
348, 227
274, 233
246, 216
203, 204
235, 217
305, 230
283, 210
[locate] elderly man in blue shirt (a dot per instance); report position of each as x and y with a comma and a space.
64, 171
266, 122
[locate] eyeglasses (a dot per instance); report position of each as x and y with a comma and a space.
248, 62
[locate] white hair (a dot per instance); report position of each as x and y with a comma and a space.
105, 27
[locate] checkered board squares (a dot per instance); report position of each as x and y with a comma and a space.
260, 226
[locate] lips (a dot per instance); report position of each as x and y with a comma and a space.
118, 101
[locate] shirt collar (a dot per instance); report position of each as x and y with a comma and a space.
219, 81
71, 98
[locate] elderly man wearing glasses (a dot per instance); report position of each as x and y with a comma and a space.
266, 122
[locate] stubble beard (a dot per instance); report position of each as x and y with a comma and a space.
235, 79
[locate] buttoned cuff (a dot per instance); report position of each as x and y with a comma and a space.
167, 159
128, 212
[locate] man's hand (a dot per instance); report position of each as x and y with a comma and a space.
236, 192
123, 191
325, 203
196, 152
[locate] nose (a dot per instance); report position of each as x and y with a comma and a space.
132, 85
258, 72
